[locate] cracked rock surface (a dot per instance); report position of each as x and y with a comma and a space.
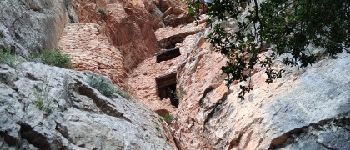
32, 25
309, 108
72, 115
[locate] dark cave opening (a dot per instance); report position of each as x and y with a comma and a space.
168, 54
166, 86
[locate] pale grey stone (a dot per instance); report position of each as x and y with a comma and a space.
74, 115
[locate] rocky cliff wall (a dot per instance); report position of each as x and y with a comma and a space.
127, 26
306, 109
200, 83
142, 80
32, 25
45, 107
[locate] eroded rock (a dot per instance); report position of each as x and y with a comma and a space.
303, 110
41, 113
113, 37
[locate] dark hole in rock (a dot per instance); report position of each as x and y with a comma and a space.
170, 46
170, 42
81, 145
167, 88
33, 137
11, 141
162, 5
168, 54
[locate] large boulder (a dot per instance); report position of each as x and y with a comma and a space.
45, 107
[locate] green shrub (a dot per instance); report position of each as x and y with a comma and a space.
277, 26
43, 101
102, 11
54, 58
105, 87
39, 103
123, 93
168, 118
7, 58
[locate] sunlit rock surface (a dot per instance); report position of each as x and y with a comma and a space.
52, 108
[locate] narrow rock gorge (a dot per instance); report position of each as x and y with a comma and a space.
171, 92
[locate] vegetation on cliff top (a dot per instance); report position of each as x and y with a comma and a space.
293, 27
6, 57
53, 57
105, 87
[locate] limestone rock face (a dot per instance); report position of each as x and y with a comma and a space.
306, 109
46, 107
32, 25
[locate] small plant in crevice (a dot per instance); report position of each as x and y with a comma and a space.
53, 57
103, 12
43, 101
44, 105
168, 118
106, 87
158, 128
39, 103
123, 93
102, 85
160, 119
6, 57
